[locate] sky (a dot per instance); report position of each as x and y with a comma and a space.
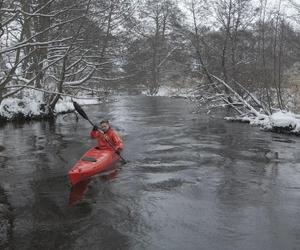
286, 7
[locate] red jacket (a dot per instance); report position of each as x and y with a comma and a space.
111, 136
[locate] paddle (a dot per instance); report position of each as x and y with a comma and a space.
84, 115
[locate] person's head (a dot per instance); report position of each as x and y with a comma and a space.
104, 125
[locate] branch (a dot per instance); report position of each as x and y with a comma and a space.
25, 43
43, 6
53, 77
237, 95
9, 20
79, 71
34, 44
80, 82
85, 88
51, 92
13, 69
28, 82
35, 14
253, 98
76, 62
168, 55
112, 79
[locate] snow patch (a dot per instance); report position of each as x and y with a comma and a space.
286, 120
30, 104
278, 121
65, 104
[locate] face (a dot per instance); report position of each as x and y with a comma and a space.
104, 127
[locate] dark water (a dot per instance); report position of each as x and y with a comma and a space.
193, 182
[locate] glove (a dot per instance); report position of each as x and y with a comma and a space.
95, 127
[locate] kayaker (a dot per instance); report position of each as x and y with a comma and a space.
107, 137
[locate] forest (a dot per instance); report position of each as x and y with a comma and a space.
241, 53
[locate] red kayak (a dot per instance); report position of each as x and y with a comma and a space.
94, 161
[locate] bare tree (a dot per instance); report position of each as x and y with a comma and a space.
40, 41
154, 28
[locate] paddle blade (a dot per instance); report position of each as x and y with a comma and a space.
80, 110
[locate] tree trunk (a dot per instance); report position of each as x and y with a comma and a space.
41, 23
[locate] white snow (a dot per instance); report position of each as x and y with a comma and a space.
29, 105
286, 119
11, 107
281, 119
65, 104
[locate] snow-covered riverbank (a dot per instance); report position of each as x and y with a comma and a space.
31, 106
280, 121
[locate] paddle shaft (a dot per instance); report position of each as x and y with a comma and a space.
84, 115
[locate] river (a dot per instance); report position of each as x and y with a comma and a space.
193, 181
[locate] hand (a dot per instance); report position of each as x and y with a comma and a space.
95, 127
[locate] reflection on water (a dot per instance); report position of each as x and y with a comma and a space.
192, 182
77, 192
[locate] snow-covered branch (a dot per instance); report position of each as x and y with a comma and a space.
55, 14
259, 103
28, 43
81, 81
28, 82
166, 57
22, 45
52, 92
252, 110
111, 79
11, 72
